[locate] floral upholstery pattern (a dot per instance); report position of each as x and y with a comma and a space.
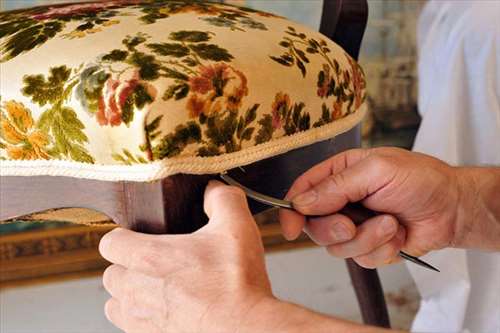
157, 87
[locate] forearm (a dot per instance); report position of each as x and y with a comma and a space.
309, 321
478, 217
285, 317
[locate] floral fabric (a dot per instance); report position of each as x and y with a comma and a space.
140, 82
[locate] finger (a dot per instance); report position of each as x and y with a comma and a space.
129, 324
370, 235
352, 184
329, 167
385, 254
112, 280
292, 223
331, 229
113, 313
155, 255
227, 207
141, 292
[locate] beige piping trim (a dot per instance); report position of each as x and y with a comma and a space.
190, 165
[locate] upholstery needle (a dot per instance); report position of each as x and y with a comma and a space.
271, 201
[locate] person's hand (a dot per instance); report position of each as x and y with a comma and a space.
417, 198
212, 279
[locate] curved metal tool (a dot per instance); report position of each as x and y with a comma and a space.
357, 213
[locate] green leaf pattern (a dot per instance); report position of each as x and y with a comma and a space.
23, 30
199, 73
59, 121
347, 85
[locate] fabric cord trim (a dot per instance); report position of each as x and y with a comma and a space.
190, 165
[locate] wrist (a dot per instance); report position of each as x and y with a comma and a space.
478, 210
274, 315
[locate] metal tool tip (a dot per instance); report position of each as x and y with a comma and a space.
418, 261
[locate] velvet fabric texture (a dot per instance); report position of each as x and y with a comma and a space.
140, 90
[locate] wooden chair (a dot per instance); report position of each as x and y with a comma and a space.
174, 204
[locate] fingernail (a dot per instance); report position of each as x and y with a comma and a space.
289, 236
305, 198
340, 233
386, 227
104, 245
214, 183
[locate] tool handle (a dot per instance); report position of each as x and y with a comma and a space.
357, 212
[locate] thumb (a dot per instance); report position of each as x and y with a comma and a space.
354, 183
226, 207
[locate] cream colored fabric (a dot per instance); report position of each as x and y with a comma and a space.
140, 90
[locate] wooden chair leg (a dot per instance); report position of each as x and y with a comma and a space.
370, 295
366, 282
344, 21
145, 209
172, 205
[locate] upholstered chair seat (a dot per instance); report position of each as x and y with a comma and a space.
141, 90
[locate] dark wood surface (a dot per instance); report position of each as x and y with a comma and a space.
145, 207
329, 17
350, 24
175, 202
24, 195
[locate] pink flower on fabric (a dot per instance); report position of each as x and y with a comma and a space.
93, 7
279, 108
323, 88
337, 109
210, 77
235, 97
276, 121
358, 82
114, 97
322, 91
195, 106
62, 11
215, 88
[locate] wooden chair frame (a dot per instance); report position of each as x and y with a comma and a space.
174, 204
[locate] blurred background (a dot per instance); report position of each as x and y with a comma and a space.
70, 297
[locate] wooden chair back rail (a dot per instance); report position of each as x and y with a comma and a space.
175, 204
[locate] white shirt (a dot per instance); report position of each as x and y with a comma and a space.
459, 101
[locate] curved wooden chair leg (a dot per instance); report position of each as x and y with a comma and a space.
370, 295
344, 21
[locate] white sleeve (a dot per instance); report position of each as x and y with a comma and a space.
459, 100
459, 73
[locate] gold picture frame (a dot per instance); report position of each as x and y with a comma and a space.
73, 248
